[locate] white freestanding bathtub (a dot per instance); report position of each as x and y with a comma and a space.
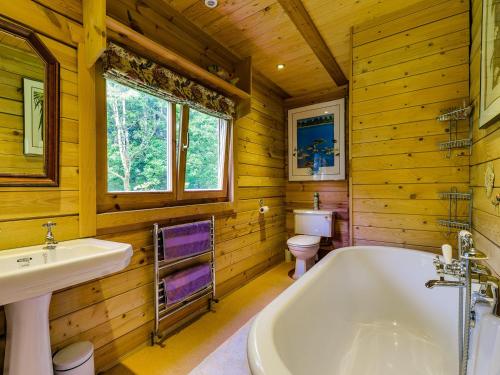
360, 311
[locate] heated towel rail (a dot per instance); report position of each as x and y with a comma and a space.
161, 267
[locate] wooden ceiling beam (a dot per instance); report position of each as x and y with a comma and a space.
304, 23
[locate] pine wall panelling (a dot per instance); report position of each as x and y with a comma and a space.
485, 149
407, 67
116, 312
23, 210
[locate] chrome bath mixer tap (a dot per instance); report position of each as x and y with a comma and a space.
466, 271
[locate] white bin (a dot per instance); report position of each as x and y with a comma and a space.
75, 359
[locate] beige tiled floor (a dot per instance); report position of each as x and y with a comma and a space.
186, 349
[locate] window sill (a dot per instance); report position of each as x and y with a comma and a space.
107, 221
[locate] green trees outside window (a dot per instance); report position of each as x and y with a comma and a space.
203, 159
138, 137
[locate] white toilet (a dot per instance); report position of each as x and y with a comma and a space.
310, 226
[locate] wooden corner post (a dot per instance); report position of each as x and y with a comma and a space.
94, 25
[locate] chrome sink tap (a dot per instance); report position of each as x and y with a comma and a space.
50, 241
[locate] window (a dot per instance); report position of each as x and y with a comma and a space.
203, 156
204, 160
159, 153
138, 140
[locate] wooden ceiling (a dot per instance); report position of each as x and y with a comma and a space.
262, 29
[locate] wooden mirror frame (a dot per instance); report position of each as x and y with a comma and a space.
52, 108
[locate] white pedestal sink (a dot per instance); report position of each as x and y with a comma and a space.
29, 275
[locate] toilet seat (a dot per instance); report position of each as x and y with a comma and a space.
303, 241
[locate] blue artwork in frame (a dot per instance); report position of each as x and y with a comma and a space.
316, 136
315, 142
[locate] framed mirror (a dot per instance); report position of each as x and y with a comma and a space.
29, 109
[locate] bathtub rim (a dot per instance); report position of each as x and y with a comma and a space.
263, 359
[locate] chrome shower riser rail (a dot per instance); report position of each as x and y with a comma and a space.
466, 272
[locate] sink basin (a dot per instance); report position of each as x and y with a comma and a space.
29, 275
32, 271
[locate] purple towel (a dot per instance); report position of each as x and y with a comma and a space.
181, 284
184, 240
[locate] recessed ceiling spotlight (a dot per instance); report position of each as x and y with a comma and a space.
211, 3
280, 66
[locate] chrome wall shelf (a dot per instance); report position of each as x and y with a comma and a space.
455, 195
453, 224
457, 143
453, 116
455, 219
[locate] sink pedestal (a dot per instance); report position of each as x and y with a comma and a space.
28, 337
29, 275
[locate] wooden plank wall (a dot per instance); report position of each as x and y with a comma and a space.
23, 210
407, 67
485, 149
116, 312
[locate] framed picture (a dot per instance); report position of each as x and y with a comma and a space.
490, 62
316, 142
33, 116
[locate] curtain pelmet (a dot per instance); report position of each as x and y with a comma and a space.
138, 72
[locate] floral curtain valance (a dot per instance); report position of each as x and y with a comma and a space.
130, 69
